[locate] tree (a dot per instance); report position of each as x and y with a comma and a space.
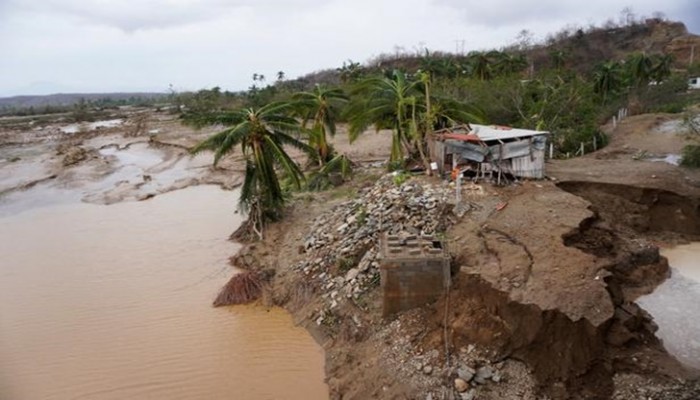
607, 79
481, 66
557, 58
350, 71
639, 68
321, 106
406, 107
508, 63
280, 75
386, 103
262, 134
662, 69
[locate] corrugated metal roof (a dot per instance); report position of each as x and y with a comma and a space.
487, 133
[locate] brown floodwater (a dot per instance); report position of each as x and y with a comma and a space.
674, 304
113, 302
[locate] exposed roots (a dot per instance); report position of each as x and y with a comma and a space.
242, 288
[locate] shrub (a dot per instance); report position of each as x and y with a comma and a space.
691, 156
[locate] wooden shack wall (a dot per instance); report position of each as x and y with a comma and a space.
529, 166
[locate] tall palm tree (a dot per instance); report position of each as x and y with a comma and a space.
607, 79
321, 106
508, 63
662, 67
639, 67
557, 58
386, 103
407, 108
262, 134
481, 66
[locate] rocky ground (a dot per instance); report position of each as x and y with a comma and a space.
542, 301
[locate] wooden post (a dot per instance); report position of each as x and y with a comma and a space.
595, 143
582, 148
614, 122
458, 187
551, 151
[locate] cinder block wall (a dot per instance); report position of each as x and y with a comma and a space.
413, 273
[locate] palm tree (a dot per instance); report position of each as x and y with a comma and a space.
321, 107
662, 69
406, 107
508, 63
481, 66
262, 134
639, 68
386, 103
557, 57
607, 79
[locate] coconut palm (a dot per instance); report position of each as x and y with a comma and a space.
386, 103
481, 66
262, 134
406, 107
557, 58
508, 63
607, 79
639, 67
662, 67
321, 106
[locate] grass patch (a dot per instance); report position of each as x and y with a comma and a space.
691, 156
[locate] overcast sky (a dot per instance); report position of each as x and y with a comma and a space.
49, 46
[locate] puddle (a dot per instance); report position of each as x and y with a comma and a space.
91, 126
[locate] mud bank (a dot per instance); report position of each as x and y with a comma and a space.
543, 298
644, 210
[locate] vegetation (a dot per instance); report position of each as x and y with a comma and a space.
262, 134
322, 107
562, 86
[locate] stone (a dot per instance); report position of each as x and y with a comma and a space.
465, 373
468, 395
496, 377
461, 385
352, 274
427, 370
484, 372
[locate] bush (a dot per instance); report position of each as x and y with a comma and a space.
691, 156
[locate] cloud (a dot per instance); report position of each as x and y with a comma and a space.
130, 16
497, 13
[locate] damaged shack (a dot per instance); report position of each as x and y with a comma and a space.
489, 151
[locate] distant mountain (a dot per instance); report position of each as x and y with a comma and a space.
68, 99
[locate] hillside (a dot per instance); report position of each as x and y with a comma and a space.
580, 49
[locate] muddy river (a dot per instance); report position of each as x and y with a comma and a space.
113, 302
674, 304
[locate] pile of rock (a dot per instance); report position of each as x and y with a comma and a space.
468, 378
343, 245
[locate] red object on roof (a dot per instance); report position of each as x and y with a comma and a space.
463, 137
